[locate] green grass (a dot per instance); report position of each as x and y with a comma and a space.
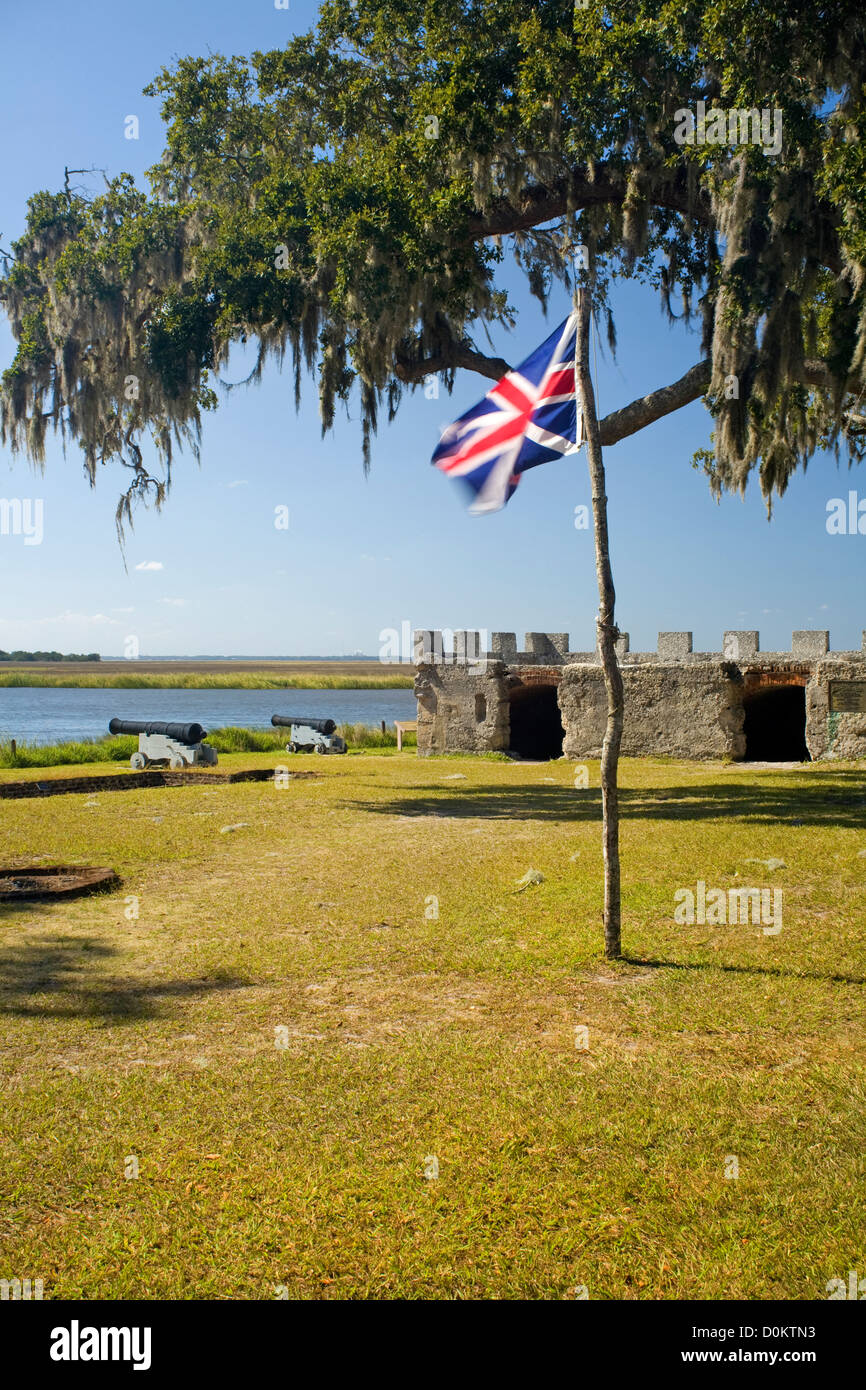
71, 754
191, 680
231, 739
141, 1022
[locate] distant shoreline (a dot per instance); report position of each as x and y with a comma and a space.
325, 674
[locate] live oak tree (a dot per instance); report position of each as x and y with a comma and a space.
347, 201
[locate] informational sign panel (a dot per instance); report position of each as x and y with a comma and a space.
848, 697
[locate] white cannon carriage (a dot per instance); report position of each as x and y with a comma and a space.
179, 745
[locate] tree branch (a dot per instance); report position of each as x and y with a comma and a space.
619, 424
537, 203
817, 373
408, 368
646, 409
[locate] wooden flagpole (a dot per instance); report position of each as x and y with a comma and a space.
607, 633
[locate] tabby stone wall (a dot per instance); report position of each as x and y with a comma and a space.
683, 712
461, 709
832, 734
679, 702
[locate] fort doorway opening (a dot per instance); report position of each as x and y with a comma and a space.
536, 722
775, 725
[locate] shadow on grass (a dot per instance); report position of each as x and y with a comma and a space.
830, 799
50, 977
775, 971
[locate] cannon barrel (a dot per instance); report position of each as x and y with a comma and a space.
181, 733
322, 726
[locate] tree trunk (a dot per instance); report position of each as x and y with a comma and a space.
607, 636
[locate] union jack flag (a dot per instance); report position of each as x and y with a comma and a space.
529, 417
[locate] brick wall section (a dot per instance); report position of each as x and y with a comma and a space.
770, 679
536, 675
133, 781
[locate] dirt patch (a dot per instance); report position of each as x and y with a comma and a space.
54, 880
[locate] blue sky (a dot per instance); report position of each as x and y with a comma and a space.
364, 554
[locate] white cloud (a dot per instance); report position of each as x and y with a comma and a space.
239, 482
122, 610
98, 619
149, 565
175, 602
66, 619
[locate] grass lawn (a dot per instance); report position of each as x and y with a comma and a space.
287, 1035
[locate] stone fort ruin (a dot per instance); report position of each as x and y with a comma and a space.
546, 701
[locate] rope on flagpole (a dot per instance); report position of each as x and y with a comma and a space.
575, 305
594, 332
593, 326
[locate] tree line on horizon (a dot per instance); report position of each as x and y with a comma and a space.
49, 656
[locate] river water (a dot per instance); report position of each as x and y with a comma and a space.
45, 715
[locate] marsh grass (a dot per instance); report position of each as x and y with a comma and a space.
74, 753
409, 1032
193, 680
230, 739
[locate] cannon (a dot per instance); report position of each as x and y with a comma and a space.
180, 745
309, 735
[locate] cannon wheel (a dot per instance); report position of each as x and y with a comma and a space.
291, 748
138, 761
176, 762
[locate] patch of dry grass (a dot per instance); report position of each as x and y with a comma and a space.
285, 1021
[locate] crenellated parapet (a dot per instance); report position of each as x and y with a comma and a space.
459, 647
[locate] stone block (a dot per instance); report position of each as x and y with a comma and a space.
426, 644
739, 646
467, 645
673, 646
543, 645
810, 642
504, 645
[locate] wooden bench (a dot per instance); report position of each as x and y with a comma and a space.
403, 726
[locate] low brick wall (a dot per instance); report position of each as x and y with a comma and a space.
133, 781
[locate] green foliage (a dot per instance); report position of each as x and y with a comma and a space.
370, 736
70, 754
348, 200
49, 656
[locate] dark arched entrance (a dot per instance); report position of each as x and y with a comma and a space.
536, 723
775, 724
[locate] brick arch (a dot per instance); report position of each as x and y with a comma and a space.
536, 728
774, 705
